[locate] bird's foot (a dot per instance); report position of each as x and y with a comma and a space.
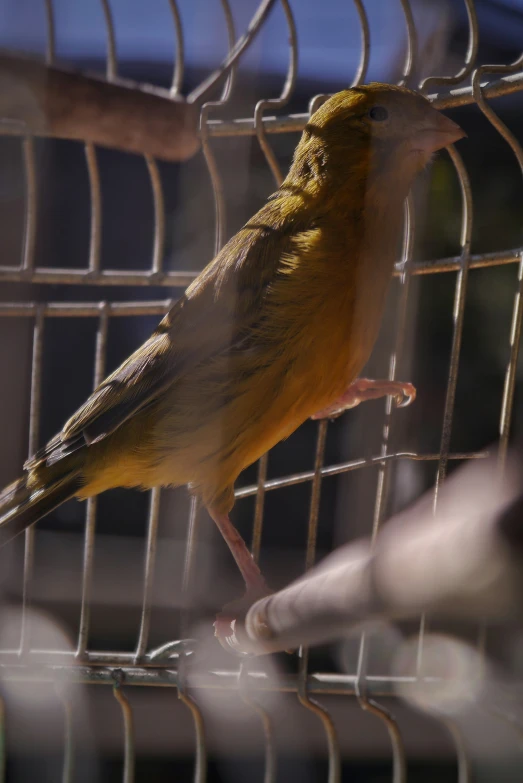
364, 389
229, 623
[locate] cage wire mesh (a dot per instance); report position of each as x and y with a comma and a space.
48, 301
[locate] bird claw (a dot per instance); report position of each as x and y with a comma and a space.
407, 395
363, 389
226, 630
229, 624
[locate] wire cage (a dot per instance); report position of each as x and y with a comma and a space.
51, 310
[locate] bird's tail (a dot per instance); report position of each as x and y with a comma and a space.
27, 500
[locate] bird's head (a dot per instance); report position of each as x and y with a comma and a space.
372, 129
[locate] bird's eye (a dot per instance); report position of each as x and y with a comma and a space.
378, 113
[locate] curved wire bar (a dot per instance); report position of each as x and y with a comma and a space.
470, 56
355, 464
150, 560
95, 238
517, 313
200, 760
128, 727
517, 310
68, 759
179, 58
270, 158
458, 314
449, 99
395, 359
90, 522
152, 166
28, 258
212, 166
304, 698
333, 745
156, 268
399, 756
463, 761
317, 100
50, 49
159, 214
34, 429
399, 763
201, 93
278, 103
463, 758
200, 763
269, 775
257, 526
361, 73
412, 45
511, 371
112, 63
190, 550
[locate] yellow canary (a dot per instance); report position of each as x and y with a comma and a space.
274, 330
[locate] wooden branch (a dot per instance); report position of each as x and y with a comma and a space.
465, 562
48, 101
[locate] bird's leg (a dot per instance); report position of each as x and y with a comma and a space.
255, 584
365, 389
249, 570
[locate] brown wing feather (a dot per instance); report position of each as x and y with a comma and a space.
132, 386
216, 314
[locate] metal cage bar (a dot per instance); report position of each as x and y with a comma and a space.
212, 166
128, 729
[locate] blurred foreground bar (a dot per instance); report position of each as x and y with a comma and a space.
461, 561
48, 101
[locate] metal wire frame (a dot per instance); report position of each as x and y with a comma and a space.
399, 765
128, 725
214, 174
138, 667
68, 757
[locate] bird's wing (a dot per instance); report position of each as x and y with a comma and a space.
136, 383
213, 316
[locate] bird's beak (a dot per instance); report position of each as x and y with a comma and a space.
436, 132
